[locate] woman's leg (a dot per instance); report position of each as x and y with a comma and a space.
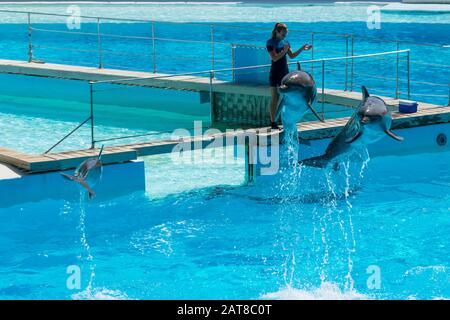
273, 103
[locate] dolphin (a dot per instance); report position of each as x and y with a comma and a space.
298, 92
91, 169
369, 123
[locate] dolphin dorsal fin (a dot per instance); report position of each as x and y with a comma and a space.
365, 93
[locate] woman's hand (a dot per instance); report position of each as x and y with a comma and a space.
306, 47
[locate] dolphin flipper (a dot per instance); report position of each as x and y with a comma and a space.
354, 138
69, 177
317, 162
315, 113
393, 135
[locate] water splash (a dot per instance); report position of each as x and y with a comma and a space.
84, 242
326, 291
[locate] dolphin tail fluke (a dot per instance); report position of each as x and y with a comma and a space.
91, 192
316, 162
81, 182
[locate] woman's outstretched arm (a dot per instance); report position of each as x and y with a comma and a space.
296, 53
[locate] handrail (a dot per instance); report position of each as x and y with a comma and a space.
344, 35
67, 135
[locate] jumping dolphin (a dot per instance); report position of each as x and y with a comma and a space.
91, 169
370, 122
298, 93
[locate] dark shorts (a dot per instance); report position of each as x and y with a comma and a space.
276, 75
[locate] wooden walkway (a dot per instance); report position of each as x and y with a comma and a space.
199, 83
118, 154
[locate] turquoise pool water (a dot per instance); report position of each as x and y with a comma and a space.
304, 233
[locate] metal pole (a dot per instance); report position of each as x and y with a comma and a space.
346, 63
323, 89
351, 64
249, 162
92, 115
99, 40
396, 74
408, 71
30, 42
212, 47
312, 53
211, 97
232, 61
153, 47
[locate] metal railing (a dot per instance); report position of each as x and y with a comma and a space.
211, 74
99, 37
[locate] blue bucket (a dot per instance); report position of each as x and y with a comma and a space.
407, 106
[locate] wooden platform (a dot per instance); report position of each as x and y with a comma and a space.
199, 83
118, 154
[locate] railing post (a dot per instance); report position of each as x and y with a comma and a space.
233, 47
346, 62
92, 113
211, 97
99, 41
323, 89
352, 53
30, 41
397, 73
312, 53
249, 162
212, 47
153, 46
408, 74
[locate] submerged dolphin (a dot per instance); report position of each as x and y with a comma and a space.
91, 169
370, 122
298, 93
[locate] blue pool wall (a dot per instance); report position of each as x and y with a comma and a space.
117, 180
176, 101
